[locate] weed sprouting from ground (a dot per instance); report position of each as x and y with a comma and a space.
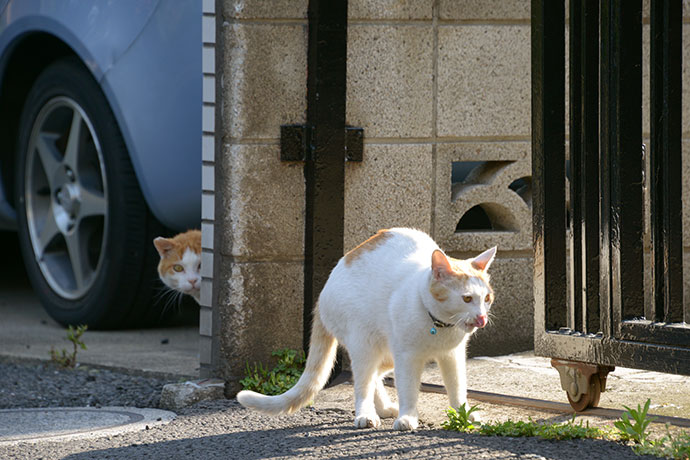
632, 427
458, 420
279, 379
64, 358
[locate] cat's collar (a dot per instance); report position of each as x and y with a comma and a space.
438, 323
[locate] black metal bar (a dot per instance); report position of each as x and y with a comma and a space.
324, 168
621, 155
677, 335
577, 215
604, 351
607, 183
590, 161
548, 163
665, 159
627, 211
605, 98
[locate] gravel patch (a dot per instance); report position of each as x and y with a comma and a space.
223, 429
29, 384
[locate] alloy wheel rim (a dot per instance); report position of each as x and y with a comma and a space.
66, 197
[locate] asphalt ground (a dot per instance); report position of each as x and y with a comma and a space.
223, 429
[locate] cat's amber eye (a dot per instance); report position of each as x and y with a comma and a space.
487, 299
467, 298
178, 268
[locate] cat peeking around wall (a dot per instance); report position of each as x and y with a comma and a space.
180, 264
395, 302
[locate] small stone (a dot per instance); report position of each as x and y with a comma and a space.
178, 395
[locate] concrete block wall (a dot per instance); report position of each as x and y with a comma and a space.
436, 83
431, 83
442, 90
259, 238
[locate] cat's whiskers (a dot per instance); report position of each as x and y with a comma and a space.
170, 298
460, 318
489, 317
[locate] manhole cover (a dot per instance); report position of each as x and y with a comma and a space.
22, 425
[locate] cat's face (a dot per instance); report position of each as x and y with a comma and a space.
180, 264
461, 288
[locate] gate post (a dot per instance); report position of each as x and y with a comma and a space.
324, 169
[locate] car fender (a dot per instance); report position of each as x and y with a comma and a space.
106, 39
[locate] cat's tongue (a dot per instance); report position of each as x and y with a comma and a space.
480, 321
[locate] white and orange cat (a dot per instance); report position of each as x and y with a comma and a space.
180, 264
395, 301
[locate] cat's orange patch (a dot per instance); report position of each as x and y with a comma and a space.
173, 248
438, 291
461, 270
369, 245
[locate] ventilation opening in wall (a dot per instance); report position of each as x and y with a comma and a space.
487, 217
474, 220
462, 169
523, 187
490, 216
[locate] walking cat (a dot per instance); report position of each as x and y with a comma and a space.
180, 264
395, 301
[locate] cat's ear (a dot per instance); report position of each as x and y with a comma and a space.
483, 260
440, 265
163, 245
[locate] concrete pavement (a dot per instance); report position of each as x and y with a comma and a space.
27, 332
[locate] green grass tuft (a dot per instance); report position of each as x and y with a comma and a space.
279, 379
631, 428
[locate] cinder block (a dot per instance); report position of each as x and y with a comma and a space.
484, 10
389, 9
264, 74
260, 306
390, 80
273, 9
484, 80
262, 204
508, 210
390, 188
511, 319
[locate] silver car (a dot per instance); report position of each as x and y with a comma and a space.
100, 147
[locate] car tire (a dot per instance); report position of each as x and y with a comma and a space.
85, 231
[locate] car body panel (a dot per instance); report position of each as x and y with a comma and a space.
146, 55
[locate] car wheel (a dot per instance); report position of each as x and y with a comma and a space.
85, 230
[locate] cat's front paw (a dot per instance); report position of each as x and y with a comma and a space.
367, 421
390, 411
406, 423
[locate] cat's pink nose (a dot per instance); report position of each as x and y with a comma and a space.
480, 321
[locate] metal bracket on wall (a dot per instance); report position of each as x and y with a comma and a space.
295, 143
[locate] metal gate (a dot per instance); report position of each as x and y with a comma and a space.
607, 210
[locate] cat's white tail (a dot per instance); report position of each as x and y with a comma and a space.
318, 367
